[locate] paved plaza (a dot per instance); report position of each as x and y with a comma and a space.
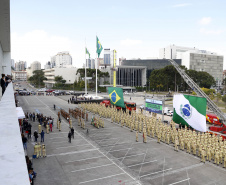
110, 155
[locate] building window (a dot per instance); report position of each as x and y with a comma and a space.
202, 61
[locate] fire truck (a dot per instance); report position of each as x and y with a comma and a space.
128, 105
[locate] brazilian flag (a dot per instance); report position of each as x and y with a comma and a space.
116, 96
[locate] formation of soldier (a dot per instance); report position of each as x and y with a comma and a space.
204, 145
39, 150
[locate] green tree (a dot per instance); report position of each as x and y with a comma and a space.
224, 98
37, 78
59, 79
219, 97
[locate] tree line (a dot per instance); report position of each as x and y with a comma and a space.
168, 78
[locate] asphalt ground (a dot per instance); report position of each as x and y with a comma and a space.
110, 155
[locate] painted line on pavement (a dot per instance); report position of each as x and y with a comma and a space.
71, 146
155, 173
119, 150
180, 181
93, 167
141, 163
75, 152
95, 148
102, 178
84, 159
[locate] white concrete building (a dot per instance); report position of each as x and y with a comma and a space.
19, 75
68, 74
12, 157
193, 58
29, 72
173, 52
62, 59
35, 66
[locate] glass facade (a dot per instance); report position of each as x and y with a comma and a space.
107, 59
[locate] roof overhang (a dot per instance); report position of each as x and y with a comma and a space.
5, 25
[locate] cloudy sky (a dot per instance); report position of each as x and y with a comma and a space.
135, 29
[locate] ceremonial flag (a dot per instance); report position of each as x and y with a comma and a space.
116, 96
87, 52
99, 47
190, 111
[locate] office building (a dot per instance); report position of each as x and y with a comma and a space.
90, 63
20, 66
62, 59
131, 76
107, 56
35, 66
151, 64
19, 75
199, 60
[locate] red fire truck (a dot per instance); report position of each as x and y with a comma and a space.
128, 105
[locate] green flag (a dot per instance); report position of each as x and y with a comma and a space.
116, 96
190, 111
99, 47
87, 52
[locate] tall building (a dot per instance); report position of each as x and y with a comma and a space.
12, 63
62, 59
47, 65
90, 63
53, 62
199, 60
174, 52
107, 56
35, 66
20, 66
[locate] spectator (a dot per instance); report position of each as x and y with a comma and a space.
3, 85
51, 126
42, 136
36, 135
72, 132
69, 137
24, 140
29, 131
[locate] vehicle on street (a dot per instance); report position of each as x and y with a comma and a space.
213, 119
167, 111
142, 107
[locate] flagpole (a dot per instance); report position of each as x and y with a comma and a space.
96, 74
85, 75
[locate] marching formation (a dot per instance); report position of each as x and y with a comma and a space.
204, 145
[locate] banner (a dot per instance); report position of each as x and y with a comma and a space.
153, 106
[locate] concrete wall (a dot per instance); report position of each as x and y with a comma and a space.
68, 74
212, 64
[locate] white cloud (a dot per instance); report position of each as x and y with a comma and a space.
205, 20
211, 32
130, 42
181, 5
37, 45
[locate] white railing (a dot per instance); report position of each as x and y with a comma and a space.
13, 168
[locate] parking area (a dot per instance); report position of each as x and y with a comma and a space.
111, 155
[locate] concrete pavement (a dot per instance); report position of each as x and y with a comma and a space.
110, 155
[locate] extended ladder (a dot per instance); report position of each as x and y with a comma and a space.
199, 91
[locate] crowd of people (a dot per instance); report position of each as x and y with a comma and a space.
207, 146
45, 122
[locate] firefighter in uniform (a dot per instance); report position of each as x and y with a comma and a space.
137, 136
47, 129
39, 128
36, 150
176, 143
43, 150
39, 150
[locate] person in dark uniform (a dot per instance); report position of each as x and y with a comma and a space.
69, 137
3, 85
